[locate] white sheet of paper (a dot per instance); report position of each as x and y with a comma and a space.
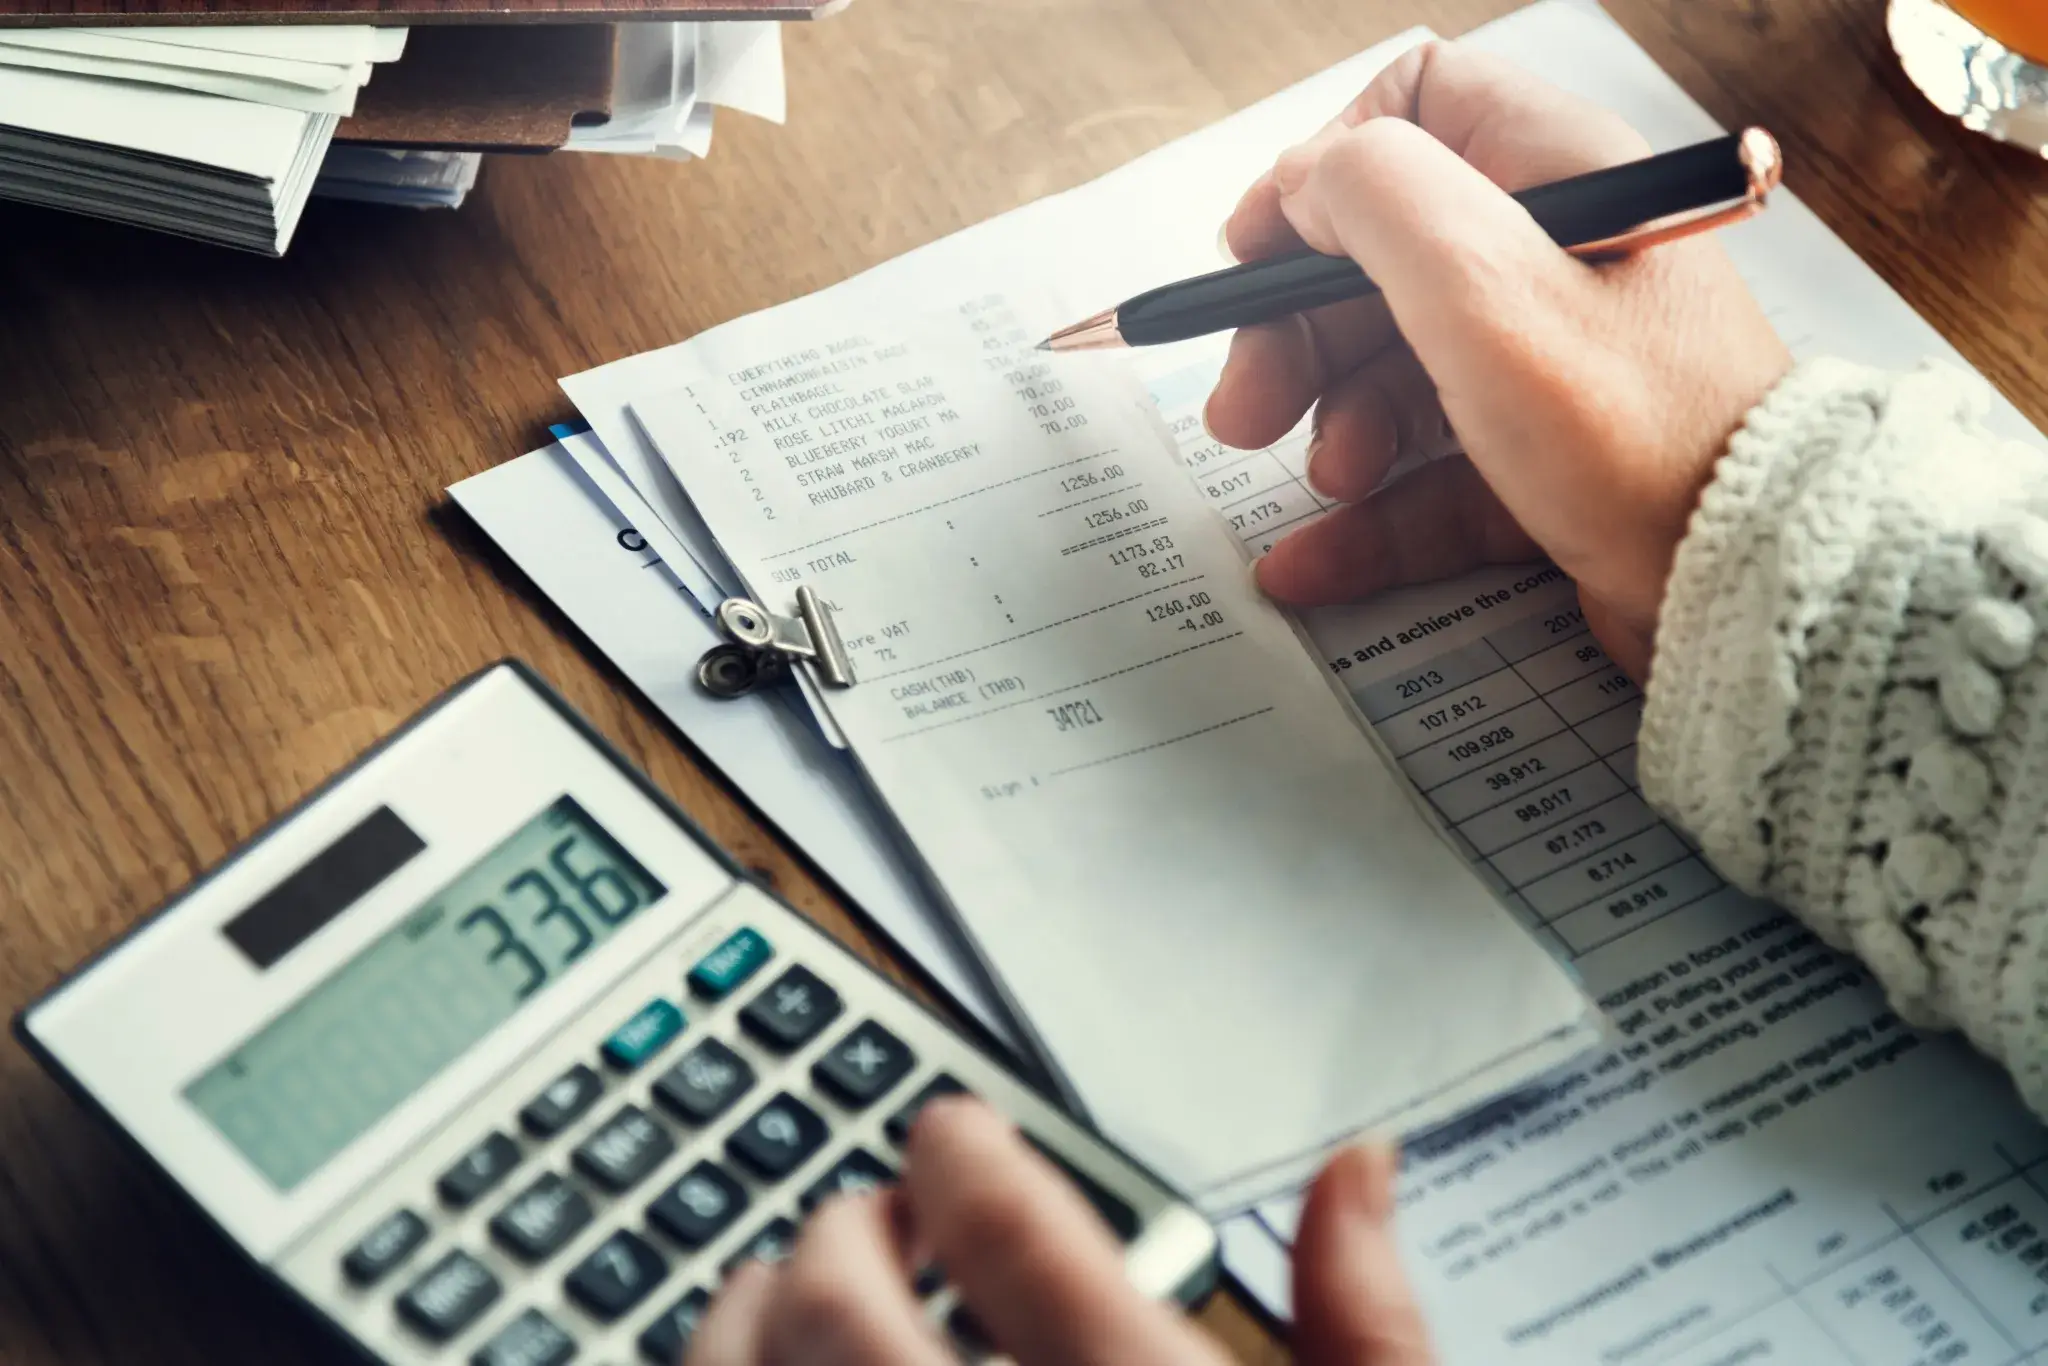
742, 65
252, 140
1138, 791
337, 97
314, 75
345, 44
596, 564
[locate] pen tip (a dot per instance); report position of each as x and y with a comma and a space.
1045, 345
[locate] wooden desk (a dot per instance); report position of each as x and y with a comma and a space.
226, 563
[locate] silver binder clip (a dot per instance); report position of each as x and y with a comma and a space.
761, 646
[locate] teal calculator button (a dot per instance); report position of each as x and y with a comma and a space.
641, 1037
730, 964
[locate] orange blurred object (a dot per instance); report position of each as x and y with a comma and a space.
2021, 25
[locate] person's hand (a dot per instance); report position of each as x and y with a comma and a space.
1591, 402
1039, 1272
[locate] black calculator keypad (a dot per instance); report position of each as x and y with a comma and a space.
792, 1011
854, 1174
541, 1219
620, 1272
776, 1139
449, 1296
394, 1239
773, 1243
704, 1083
532, 1339
620, 1154
479, 1170
567, 1099
864, 1066
898, 1125
668, 1337
702, 1204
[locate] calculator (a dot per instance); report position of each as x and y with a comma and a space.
487, 1054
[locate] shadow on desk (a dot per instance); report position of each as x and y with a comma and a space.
109, 1296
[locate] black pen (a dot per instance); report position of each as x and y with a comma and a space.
1600, 216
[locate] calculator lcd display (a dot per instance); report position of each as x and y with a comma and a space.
304, 1087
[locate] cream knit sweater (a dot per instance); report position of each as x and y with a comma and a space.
1848, 705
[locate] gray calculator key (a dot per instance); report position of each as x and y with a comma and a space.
383, 1247
668, 1337
541, 1219
773, 1243
898, 1125
791, 1012
566, 1100
864, 1066
620, 1272
1114, 1211
856, 1173
778, 1138
702, 1204
479, 1170
704, 1082
624, 1150
449, 1296
532, 1339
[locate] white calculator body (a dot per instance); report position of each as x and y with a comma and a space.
488, 1055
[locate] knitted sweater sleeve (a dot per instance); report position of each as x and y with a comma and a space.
1848, 702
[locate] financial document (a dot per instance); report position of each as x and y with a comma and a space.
591, 556
1138, 791
1765, 1167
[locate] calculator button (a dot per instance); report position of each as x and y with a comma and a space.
532, 1339
480, 1169
1118, 1215
854, 1174
730, 964
704, 1083
774, 1243
898, 1126
565, 1101
967, 1330
622, 1152
384, 1247
622, 1271
864, 1066
699, 1206
651, 1029
448, 1297
668, 1337
778, 1137
541, 1219
790, 1013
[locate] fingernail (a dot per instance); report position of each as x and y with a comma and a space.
1211, 431
1290, 172
1369, 1192
1223, 244
1309, 471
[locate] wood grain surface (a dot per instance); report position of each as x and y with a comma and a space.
227, 563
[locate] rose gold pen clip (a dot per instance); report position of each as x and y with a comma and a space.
1766, 166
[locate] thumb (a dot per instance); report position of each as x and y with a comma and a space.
1457, 259
1352, 1304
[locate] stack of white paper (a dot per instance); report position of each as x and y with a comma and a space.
204, 166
